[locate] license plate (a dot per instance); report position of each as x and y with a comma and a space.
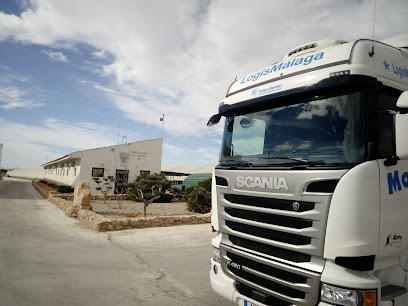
246, 303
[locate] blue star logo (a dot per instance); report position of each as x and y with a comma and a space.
386, 65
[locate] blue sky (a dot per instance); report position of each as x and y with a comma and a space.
71, 71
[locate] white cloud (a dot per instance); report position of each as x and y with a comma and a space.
54, 138
12, 97
17, 90
184, 156
179, 57
7, 76
56, 56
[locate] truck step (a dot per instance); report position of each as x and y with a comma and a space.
389, 292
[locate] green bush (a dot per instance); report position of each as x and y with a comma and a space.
148, 188
164, 198
198, 197
65, 189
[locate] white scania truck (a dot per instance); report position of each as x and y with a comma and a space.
310, 196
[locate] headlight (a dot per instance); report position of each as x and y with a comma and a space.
216, 255
347, 297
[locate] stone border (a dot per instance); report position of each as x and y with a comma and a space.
59, 200
103, 224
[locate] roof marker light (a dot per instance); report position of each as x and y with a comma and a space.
337, 73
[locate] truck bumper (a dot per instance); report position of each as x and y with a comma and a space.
225, 287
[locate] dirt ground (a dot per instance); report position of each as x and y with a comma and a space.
135, 209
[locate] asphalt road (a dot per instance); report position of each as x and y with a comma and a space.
47, 258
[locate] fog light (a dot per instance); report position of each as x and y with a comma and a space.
216, 255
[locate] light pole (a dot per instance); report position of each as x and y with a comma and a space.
162, 119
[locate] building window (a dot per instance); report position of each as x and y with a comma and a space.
98, 172
122, 177
144, 171
74, 171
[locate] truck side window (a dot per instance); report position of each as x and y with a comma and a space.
387, 102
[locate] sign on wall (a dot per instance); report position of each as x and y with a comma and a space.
123, 157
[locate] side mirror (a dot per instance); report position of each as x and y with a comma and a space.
401, 140
246, 122
214, 120
403, 100
401, 128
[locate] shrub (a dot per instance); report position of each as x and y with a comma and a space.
164, 198
147, 188
198, 197
65, 189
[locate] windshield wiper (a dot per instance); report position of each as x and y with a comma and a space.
300, 160
239, 162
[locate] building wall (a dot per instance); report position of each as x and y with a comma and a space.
64, 171
132, 157
136, 157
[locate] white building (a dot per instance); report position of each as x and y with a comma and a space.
125, 160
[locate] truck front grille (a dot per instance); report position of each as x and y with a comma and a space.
273, 247
268, 234
269, 250
270, 219
279, 204
275, 281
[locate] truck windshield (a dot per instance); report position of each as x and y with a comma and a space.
314, 132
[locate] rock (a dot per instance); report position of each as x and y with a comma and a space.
134, 222
82, 194
124, 222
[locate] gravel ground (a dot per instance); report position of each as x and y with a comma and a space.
135, 209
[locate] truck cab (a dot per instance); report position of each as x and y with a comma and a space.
310, 195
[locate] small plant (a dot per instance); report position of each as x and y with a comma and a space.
198, 197
164, 198
65, 189
177, 194
104, 185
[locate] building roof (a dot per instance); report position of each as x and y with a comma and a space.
118, 145
75, 155
186, 170
195, 178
